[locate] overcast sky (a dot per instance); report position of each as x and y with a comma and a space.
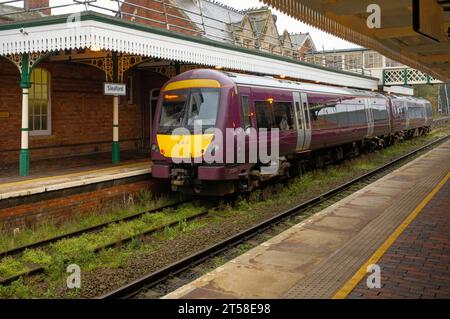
321, 39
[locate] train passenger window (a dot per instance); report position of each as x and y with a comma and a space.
283, 116
356, 114
323, 116
264, 115
342, 115
246, 113
300, 121
305, 108
274, 115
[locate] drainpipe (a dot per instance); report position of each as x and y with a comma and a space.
24, 161
115, 145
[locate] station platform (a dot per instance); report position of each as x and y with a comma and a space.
58, 174
400, 223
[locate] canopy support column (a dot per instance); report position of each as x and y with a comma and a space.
116, 143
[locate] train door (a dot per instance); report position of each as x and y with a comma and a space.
302, 120
407, 114
369, 116
153, 99
247, 120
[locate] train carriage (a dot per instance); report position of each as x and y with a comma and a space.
314, 124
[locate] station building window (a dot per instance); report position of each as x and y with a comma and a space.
39, 117
392, 64
353, 61
373, 60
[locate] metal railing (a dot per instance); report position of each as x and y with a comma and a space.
406, 76
332, 62
167, 15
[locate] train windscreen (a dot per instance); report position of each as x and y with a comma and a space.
189, 108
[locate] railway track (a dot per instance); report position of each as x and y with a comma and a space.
93, 229
152, 279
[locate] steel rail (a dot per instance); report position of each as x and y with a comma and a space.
134, 287
40, 269
91, 229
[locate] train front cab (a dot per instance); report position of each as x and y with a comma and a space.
198, 99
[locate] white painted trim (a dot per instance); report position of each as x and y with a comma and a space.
131, 41
76, 183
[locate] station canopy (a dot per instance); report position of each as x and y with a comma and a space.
413, 32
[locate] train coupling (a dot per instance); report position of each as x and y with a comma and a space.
180, 177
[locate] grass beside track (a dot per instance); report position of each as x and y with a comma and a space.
131, 205
115, 266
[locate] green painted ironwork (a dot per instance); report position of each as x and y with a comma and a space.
116, 145
115, 152
24, 158
25, 72
24, 167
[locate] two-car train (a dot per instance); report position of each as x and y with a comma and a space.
315, 123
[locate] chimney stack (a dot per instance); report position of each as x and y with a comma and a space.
38, 4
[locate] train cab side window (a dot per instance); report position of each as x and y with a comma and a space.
246, 113
264, 115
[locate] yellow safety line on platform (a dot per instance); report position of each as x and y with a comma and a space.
362, 272
71, 175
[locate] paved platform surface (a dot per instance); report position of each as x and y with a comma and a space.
72, 177
326, 255
417, 265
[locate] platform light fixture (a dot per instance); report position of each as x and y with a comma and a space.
95, 48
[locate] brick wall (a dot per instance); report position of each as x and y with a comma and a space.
65, 207
37, 4
81, 114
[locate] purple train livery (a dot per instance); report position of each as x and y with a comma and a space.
210, 127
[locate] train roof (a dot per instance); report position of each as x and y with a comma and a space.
267, 81
410, 98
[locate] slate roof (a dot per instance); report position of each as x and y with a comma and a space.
7, 13
216, 17
299, 39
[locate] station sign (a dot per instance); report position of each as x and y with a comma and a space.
114, 89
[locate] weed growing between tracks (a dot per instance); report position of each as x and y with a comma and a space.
115, 266
143, 201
